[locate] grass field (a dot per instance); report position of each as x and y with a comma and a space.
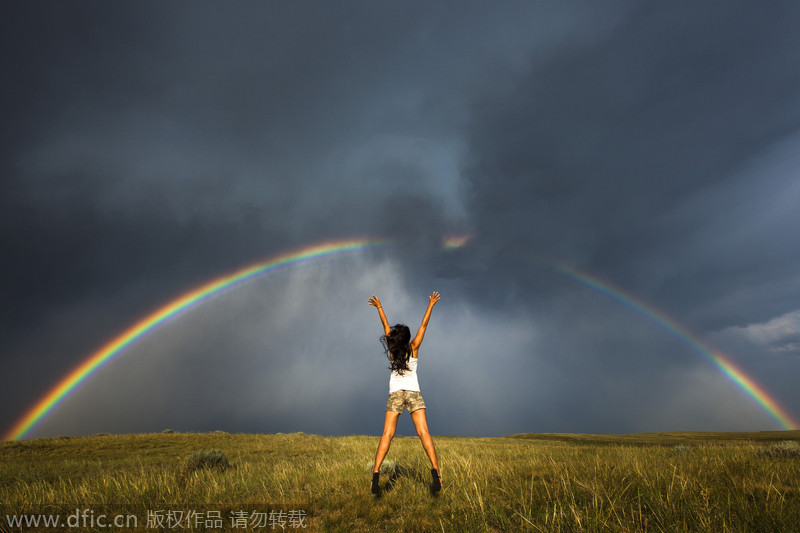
713, 482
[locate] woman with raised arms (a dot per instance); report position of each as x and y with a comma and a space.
404, 391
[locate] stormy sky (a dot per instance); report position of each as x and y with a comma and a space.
149, 147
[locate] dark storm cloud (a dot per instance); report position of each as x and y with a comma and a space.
596, 149
191, 138
154, 142
149, 147
660, 157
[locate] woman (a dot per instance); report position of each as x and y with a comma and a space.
404, 389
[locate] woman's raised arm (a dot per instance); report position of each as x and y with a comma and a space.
377, 303
432, 299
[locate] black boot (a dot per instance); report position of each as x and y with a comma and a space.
436, 486
376, 488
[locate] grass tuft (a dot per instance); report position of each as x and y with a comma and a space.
388, 467
786, 448
213, 459
681, 449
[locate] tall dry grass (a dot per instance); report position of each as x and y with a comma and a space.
541, 483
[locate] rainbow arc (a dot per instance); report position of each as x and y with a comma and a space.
171, 310
719, 360
197, 296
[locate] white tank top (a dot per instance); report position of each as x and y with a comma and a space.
408, 381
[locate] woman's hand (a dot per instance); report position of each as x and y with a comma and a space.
432, 299
377, 303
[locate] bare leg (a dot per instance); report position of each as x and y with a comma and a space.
421, 424
389, 427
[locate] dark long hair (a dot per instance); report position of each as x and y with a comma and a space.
397, 345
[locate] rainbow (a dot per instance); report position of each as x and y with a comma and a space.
451, 242
718, 359
218, 285
170, 311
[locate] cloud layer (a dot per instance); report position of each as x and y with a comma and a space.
148, 148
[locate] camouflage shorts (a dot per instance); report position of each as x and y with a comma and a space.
399, 400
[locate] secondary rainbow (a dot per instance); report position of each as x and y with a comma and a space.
718, 359
168, 312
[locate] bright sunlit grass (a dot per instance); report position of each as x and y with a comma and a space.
652, 482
